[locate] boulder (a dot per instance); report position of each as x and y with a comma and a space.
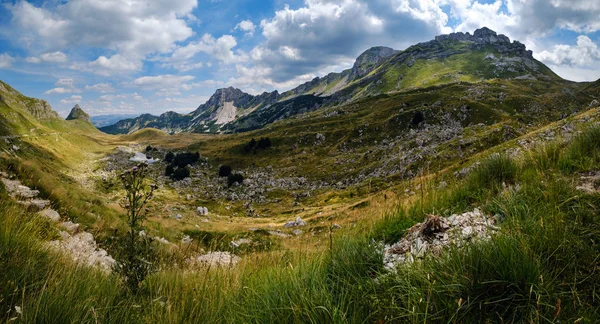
51, 214
297, 223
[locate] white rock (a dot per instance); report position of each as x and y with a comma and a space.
51, 214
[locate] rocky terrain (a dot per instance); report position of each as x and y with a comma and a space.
72, 240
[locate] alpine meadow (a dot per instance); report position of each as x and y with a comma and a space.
237, 162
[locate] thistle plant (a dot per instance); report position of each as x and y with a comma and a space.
134, 263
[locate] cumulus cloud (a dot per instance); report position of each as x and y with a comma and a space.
55, 57
108, 66
33, 59
71, 100
64, 85
585, 53
6, 61
322, 33
126, 26
100, 87
219, 48
246, 26
578, 62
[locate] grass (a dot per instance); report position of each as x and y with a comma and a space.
541, 267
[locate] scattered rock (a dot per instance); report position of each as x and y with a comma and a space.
218, 259
50, 214
69, 227
437, 233
297, 232
336, 226
186, 239
202, 211
83, 249
298, 222
240, 242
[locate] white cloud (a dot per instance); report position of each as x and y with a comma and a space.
221, 49
162, 81
300, 42
64, 85
33, 59
71, 100
55, 57
129, 27
107, 66
580, 62
585, 53
246, 26
6, 61
100, 87
59, 90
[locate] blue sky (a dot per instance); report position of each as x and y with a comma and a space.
138, 56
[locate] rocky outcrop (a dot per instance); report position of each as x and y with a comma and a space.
486, 37
369, 60
438, 233
79, 245
78, 114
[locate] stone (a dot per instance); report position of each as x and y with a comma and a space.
51, 214
240, 242
436, 233
297, 223
202, 211
69, 227
336, 226
186, 240
297, 232
217, 258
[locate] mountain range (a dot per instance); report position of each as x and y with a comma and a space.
457, 57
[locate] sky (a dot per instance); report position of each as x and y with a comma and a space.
153, 56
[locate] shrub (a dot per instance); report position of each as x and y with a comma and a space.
169, 157
134, 263
495, 170
148, 148
180, 174
224, 171
169, 170
583, 153
261, 144
233, 178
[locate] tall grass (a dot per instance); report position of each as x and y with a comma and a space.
543, 266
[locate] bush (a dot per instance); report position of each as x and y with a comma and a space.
261, 144
169, 170
148, 148
169, 157
495, 170
583, 153
180, 174
224, 171
233, 178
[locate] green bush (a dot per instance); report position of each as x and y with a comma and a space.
583, 153
493, 171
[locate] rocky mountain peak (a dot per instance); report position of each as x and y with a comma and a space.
370, 59
485, 37
78, 113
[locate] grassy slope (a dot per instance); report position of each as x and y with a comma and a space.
542, 267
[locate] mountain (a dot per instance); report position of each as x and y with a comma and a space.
107, 120
78, 114
453, 58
